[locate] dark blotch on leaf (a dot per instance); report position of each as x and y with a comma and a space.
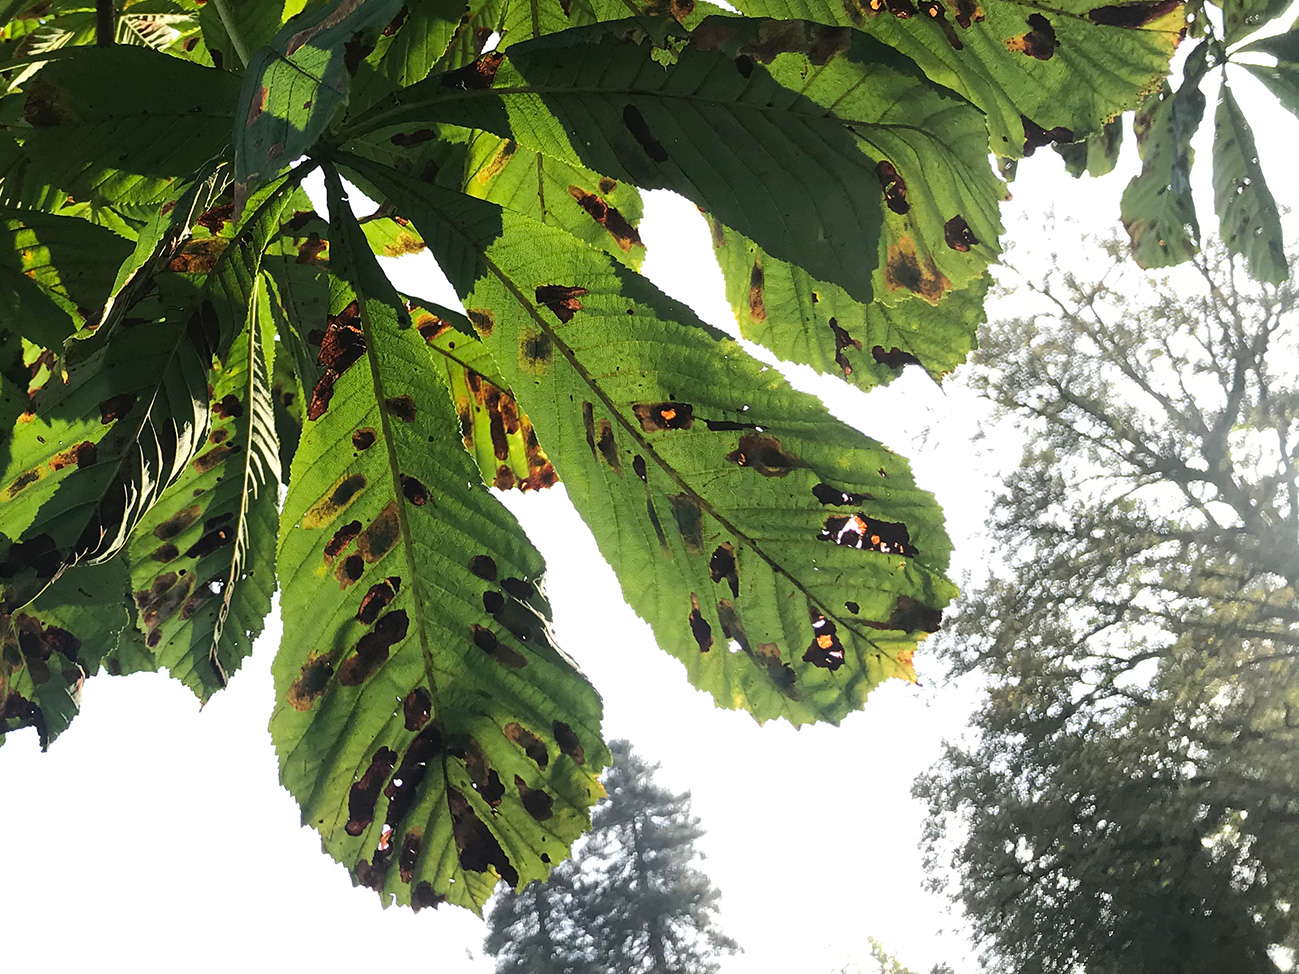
690, 521
640, 130
842, 342
655, 417
373, 648
638, 465
568, 742
365, 793
1039, 41
341, 539
535, 801
958, 234
859, 531
210, 542
486, 640
608, 448
493, 601
479, 849
178, 522
757, 302
377, 540
623, 233
825, 650
403, 407
893, 358
349, 571
116, 407
699, 627
416, 709
744, 65
363, 438
409, 855
1035, 136
530, 742
229, 407
414, 491
762, 452
424, 896
911, 614
483, 566
316, 672
377, 599
1131, 15
165, 553
894, 186
404, 140
81, 455
476, 75
722, 566
560, 299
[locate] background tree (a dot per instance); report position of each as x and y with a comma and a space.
1129, 799
539, 930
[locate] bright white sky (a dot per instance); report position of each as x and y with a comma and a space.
153, 836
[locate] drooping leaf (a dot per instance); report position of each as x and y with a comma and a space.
203, 558
101, 447
256, 21
49, 648
161, 119
1282, 80
814, 323
431, 731
1041, 72
1157, 208
829, 115
1250, 223
407, 48
295, 84
1240, 18
1095, 155
786, 559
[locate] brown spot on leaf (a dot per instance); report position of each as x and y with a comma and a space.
560, 299
316, 672
640, 131
659, 416
377, 599
535, 353
623, 233
894, 186
178, 522
403, 791
507, 656
81, 455
568, 742
364, 438
1038, 41
365, 792
414, 491
690, 521
833, 495
767, 655
211, 541
165, 553
958, 234
115, 407
1132, 15
310, 250
535, 801
867, 534
257, 105
198, 256
328, 508
416, 709
479, 848
722, 565
530, 742
377, 539
482, 320
349, 571
936, 12
762, 452
341, 347
341, 539
483, 566
476, 75
404, 140
409, 857
825, 649
893, 358
910, 615
1035, 136
403, 407
905, 270
425, 896
214, 457
229, 407
608, 448
159, 602
699, 628
842, 342
757, 303
373, 648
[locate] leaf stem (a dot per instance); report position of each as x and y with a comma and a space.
228, 22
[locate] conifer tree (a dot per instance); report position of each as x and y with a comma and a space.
537, 931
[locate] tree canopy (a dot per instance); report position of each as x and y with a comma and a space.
633, 901
1129, 798
184, 338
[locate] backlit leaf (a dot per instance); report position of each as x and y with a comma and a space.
1250, 222
426, 723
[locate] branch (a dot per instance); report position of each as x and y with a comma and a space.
105, 23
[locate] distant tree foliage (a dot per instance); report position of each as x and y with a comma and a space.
1129, 799
636, 903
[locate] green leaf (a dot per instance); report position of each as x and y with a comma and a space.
1283, 47
1240, 18
786, 559
1282, 81
133, 413
814, 323
1249, 221
162, 118
1097, 154
431, 731
56, 272
828, 114
1157, 208
1041, 72
50, 648
407, 49
256, 21
296, 83
203, 558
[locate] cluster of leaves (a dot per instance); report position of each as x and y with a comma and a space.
184, 336
633, 901
1129, 798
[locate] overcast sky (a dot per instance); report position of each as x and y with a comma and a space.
157, 836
